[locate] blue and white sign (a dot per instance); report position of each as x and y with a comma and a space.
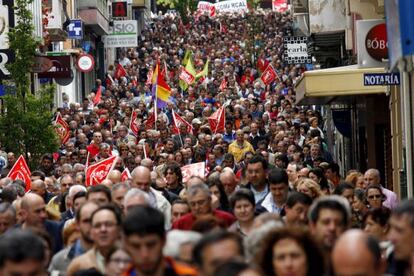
381, 79
75, 29
400, 29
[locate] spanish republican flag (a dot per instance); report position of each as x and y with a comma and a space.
163, 90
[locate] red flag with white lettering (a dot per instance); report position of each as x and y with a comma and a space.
186, 76
217, 120
178, 121
133, 124
269, 75
62, 129
21, 171
98, 172
125, 175
150, 123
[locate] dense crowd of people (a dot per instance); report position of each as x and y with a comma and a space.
272, 200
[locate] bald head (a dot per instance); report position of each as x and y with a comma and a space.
146, 162
30, 199
372, 177
38, 187
33, 210
141, 178
229, 181
357, 253
115, 176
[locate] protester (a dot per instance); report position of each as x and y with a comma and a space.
356, 253
160, 137
290, 251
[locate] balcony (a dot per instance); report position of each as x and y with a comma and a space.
94, 13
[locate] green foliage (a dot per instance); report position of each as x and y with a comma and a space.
184, 7
25, 126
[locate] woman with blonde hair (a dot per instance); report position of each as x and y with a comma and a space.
356, 179
309, 187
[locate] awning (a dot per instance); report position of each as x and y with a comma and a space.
326, 85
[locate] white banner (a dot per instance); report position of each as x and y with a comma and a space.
204, 6
122, 34
231, 6
196, 169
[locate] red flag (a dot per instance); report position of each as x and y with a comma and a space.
150, 123
223, 84
21, 171
98, 172
262, 64
178, 121
212, 11
120, 71
133, 125
149, 77
62, 129
186, 76
125, 175
98, 95
93, 149
269, 75
217, 120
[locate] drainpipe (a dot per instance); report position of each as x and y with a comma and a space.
407, 79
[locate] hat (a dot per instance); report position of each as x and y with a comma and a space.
196, 121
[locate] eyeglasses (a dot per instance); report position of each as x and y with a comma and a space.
375, 197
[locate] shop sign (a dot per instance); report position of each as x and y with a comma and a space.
381, 79
119, 9
376, 42
75, 29
372, 43
85, 63
6, 22
60, 67
122, 34
296, 50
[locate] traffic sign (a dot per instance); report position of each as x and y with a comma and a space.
75, 29
85, 63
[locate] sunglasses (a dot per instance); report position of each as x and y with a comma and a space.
375, 197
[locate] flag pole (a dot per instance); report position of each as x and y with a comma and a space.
156, 99
179, 131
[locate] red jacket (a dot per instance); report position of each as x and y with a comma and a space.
178, 268
186, 222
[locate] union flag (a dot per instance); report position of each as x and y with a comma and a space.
133, 125
21, 171
125, 175
269, 75
98, 172
217, 120
178, 121
62, 129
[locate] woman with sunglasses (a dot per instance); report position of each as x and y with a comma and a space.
374, 196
